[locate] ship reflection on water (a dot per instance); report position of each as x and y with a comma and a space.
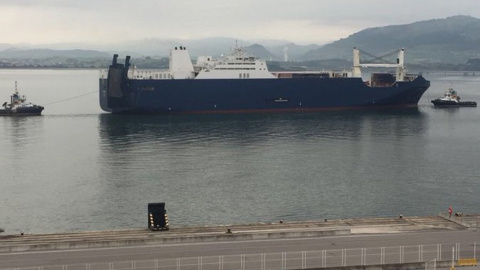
257, 127
218, 169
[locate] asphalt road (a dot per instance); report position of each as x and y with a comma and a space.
369, 243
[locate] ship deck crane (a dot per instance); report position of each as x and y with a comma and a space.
400, 65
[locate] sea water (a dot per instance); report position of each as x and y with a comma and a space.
76, 168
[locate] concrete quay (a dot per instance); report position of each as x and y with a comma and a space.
285, 229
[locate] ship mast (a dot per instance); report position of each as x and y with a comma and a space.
14, 97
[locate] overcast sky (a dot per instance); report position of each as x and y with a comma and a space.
299, 21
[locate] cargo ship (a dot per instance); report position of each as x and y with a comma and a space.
239, 83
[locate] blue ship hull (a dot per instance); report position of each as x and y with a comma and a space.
119, 94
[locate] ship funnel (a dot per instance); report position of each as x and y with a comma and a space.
127, 66
181, 65
114, 61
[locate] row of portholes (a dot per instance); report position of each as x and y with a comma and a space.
243, 75
163, 76
153, 76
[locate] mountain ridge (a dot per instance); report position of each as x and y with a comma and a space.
451, 40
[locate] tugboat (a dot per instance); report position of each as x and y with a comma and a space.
19, 106
451, 99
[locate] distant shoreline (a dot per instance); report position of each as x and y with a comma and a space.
467, 73
53, 67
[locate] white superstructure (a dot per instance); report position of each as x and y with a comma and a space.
238, 65
235, 66
18, 101
450, 95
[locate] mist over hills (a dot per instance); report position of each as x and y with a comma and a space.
13, 53
453, 40
217, 46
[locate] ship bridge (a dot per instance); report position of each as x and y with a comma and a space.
237, 65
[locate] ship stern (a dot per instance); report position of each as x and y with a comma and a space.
112, 90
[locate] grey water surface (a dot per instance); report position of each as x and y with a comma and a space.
76, 168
